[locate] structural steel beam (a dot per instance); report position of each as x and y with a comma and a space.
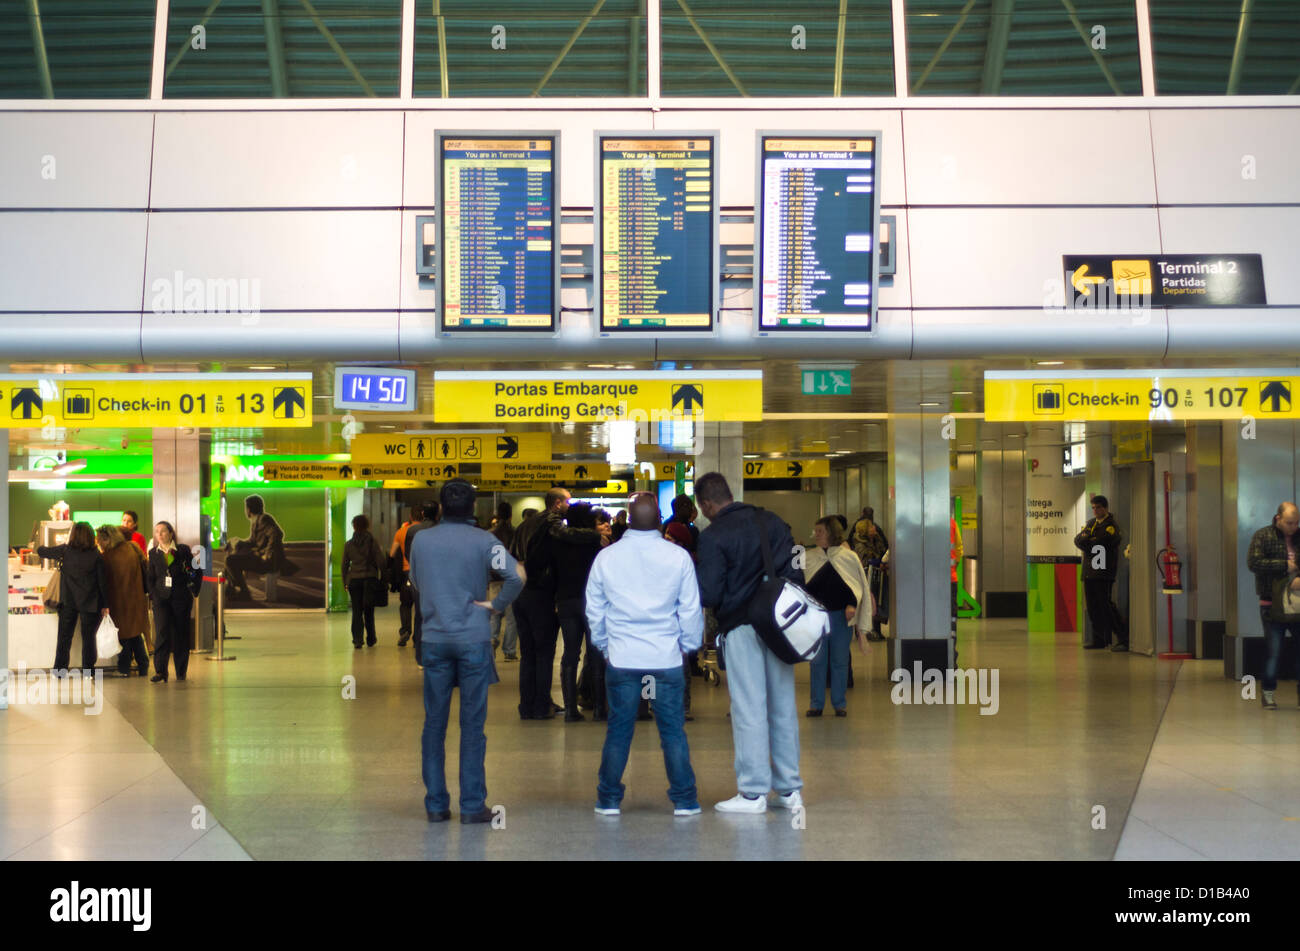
275, 48
995, 52
708, 44
550, 70
1239, 48
337, 48
38, 44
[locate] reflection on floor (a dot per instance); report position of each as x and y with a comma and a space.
292, 769
83, 787
1222, 781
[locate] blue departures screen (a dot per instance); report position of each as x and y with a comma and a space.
498, 208
656, 255
817, 233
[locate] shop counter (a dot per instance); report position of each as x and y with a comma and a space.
33, 628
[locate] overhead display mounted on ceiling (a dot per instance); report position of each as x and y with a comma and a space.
818, 217
498, 231
656, 232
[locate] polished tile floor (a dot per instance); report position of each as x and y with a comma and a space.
287, 765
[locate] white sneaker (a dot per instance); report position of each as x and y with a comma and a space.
607, 811
693, 811
738, 803
790, 800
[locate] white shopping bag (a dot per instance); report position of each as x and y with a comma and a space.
106, 642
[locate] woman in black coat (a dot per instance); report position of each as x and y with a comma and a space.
172, 587
363, 566
83, 594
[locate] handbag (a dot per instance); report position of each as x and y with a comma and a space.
106, 639
377, 592
1286, 602
789, 620
53, 590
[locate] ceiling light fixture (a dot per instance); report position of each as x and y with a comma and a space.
1051, 363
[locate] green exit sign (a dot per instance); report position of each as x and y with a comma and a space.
825, 382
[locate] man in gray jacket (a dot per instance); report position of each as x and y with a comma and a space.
450, 564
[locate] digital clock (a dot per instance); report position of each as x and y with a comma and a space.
374, 388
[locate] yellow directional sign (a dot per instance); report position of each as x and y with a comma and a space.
440, 471
612, 487
1118, 395
309, 472
787, 468
545, 471
395, 448
598, 395
164, 400
665, 470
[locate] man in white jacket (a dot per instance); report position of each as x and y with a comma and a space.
643, 609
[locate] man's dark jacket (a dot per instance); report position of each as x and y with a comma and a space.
730, 565
1266, 557
1103, 532
533, 547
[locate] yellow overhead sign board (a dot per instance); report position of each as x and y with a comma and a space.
406, 448
547, 472
787, 468
665, 470
1139, 395
308, 472
163, 400
594, 396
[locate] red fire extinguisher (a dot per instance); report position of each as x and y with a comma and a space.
1171, 570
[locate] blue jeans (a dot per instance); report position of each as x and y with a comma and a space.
469, 666
1275, 634
624, 689
834, 653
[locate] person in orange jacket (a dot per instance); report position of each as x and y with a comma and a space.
954, 555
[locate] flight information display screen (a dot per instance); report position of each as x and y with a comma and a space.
816, 254
657, 236
498, 232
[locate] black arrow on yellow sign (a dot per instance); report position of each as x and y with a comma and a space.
1275, 392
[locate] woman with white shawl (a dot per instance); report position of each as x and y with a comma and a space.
835, 578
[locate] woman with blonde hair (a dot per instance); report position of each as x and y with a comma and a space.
124, 569
836, 579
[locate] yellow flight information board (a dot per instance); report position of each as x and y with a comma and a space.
164, 400
406, 449
787, 468
545, 471
595, 396
498, 231
657, 232
1118, 395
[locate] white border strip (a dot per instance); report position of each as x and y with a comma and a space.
406, 84
148, 377
1146, 51
901, 79
632, 104
159, 51
568, 376
1167, 372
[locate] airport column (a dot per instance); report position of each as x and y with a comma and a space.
179, 457
4, 529
721, 449
1204, 573
919, 551
1259, 471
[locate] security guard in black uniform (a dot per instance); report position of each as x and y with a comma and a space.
1099, 570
